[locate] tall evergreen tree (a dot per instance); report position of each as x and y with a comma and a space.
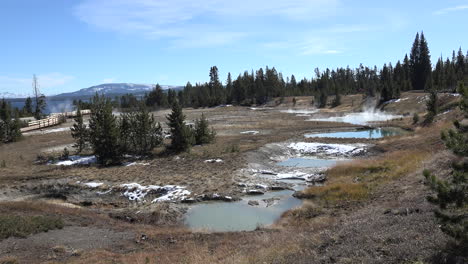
79, 132
432, 103
229, 89
203, 135
425, 62
140, 133
104, 132
181, 134
452, 194
157, 97
9, 126
216, 88
415, 61
28, 106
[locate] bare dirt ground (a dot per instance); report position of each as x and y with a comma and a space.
394, 225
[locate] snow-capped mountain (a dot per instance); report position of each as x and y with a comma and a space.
115, 89
8, 95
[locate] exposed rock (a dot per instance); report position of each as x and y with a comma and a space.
271, 201
253, 203
253, 192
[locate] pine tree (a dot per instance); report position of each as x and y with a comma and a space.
460, 65
157, 97
452, 194
104, 132
171, 96
420, 62
181, 134
432, 103
217, 94
337, 100
203, 135
425, 62
139, 132
79, 132
322, 102
28, 108
229, 88
414, 63
9, 127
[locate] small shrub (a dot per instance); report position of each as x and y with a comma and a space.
233, 148
182, 136
22, 226
3, 164
8, 260
415, 118
65, 154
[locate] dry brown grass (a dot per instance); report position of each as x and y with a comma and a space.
355, 181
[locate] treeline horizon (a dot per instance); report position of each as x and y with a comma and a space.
414, 72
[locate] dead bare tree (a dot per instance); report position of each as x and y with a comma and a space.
39, 99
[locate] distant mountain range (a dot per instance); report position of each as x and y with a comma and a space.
110, 89
8, 95
116, 89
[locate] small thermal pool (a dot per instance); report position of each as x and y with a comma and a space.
369, 133
239, 215
307, 163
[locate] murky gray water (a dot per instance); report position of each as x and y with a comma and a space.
370, 133
239, 216
307, 163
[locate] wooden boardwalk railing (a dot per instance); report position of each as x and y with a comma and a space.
54, 119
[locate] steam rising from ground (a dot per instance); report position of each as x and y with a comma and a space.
361, 118
370, 114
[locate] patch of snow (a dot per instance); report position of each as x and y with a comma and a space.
261, 186
137, 192
422, 99
298, 175
77, 160
213, 161
300, 111
105, 192
128, 164
93, 184
174, 193
254, 191
267, 172
396, 100
329, 149
251, 132
48, 131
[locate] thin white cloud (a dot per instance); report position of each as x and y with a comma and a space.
309, 46
188, 23
54, 79
451, 9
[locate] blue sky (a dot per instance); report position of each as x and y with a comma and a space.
73, 44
